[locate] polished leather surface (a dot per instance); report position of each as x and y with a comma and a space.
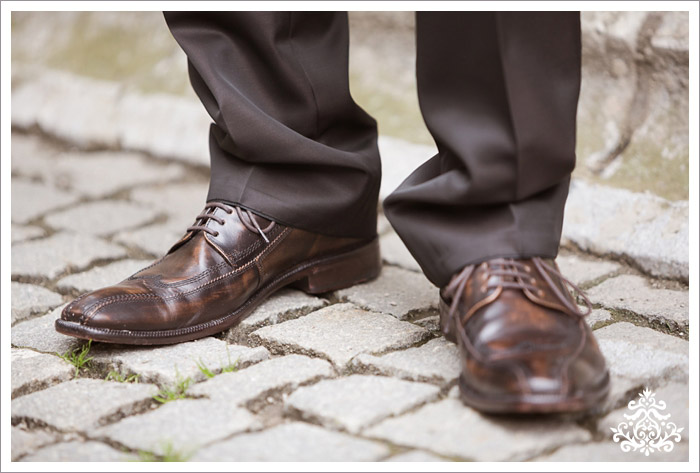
205, 276
521, 337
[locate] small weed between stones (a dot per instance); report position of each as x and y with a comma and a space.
78, 357
175, 391
229, 368
120, 378
169, 455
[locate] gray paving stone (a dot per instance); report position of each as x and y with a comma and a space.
155, 239
102, 276
103, 173
25, 441
581, 271
399, 159
29, 299
40, 334
162, 365
293, 442
608, 451
451, 429
415, 456
31, 200
634, 294
398, 292
339, 333
276, 374
32, 371
51, 256
25, 232
77, 451
183, 426
183, 131
394, 252
648, 230
436, 361
354, 402
31, 155
286, 304
101, 218
639, 357
598, 316
84, 404
181, 201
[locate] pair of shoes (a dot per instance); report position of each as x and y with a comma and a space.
525, 347
225, 266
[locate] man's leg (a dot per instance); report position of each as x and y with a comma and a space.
294, 183
483, 218
498, 92
287, 141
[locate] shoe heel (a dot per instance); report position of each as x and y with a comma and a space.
354, 267
446, 324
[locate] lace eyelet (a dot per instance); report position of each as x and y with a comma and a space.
540, 293
483, 288
533, 281
216, 234
528, 269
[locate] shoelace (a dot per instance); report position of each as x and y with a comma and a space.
516, 275
249, 223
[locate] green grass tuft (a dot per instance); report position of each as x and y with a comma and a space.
78, 357
120, 378
178, 390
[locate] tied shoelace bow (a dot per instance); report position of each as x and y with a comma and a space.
514, 274
250, 223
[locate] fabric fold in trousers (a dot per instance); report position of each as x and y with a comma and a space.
497, 90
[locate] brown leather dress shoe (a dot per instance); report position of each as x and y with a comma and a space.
525, 345
226, 264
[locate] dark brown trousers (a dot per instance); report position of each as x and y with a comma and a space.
498, 91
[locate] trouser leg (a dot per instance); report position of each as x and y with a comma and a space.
498, 91
287, 140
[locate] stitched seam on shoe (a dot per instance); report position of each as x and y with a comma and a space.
124, 298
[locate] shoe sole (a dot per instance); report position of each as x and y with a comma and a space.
316, 276
524, 403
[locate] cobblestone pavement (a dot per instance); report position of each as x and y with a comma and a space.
361, 374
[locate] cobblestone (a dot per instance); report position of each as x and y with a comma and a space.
291, 443
102, 276
598, 316
262, 379
633, 293
32, 371
156, 239
31, 200
608, 451
436, 361
25, 232
51, 256
104, 173
415, 456
28, 299
85, 404
354, 402
78, 451
340, 332
639, 357
284, 305
583, 272
182, 202
395, 253
449, 428
182, 426
40, 334
101, 218
24, 441
163, 365
398, 292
